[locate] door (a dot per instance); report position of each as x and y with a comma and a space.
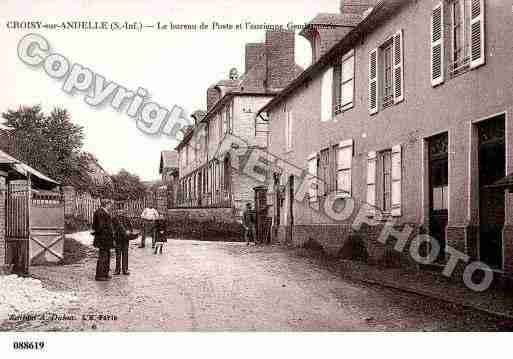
491, 200
438, 190
290, 223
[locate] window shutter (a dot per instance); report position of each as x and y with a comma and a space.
437, 45
371, 182
312, 170
373, 81
327, 95
396, 180
477, 38
398, 82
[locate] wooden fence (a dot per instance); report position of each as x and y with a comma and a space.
83, 206
80, 205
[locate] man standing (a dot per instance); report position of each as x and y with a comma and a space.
103, 239
121, 239
149, 216
248, 221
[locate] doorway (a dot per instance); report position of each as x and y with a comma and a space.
291, 210
491, 163
438, 189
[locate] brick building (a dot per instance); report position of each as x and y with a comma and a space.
206, 178
410, 113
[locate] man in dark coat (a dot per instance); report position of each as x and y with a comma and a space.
121, 237
103, 239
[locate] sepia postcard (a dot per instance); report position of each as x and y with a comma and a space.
187, 172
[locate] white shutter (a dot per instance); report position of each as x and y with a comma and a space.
327, 95
396, 180
477, 36
373, 81
437, 45
398, 81
371, 182
312, 170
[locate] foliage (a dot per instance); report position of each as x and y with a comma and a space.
52, 144
126, 185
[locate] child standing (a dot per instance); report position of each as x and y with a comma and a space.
160, 234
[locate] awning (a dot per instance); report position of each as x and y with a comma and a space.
24, 169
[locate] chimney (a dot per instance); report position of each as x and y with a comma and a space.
213, 95
254, 52
356, 6
280, 58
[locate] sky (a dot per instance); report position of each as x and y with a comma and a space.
175, 67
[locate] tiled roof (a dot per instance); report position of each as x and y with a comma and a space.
336, 19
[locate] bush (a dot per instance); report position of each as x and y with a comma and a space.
209, 230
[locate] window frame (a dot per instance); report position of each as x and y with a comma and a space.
456, 65
386, 51
344, 146
339, 83
386, 187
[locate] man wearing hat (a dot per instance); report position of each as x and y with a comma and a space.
103, 239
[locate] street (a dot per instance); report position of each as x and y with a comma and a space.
195, 286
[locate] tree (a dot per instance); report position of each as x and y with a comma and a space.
127, 186
51, 144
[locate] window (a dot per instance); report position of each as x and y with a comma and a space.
229, 119
344, 153
288, 129
459, 44
386, 77
384, 174
344, 83
221, 124
466, 38
386, 169
347, 82
388, 93
323, 171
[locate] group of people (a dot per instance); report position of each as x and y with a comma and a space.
112, 229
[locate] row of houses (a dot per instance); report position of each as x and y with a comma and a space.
406, 107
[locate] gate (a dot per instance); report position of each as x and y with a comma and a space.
17, 229
46, 227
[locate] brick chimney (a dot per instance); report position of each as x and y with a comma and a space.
254, 52
213, 95
280, 52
